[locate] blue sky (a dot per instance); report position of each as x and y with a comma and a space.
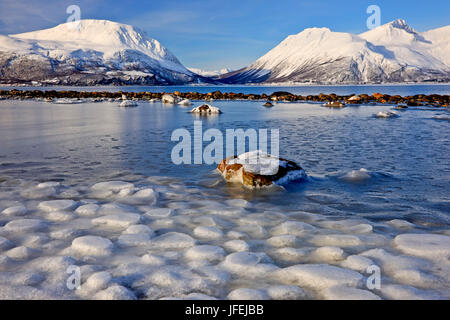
212, 34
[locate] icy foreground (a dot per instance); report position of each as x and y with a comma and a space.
157, 238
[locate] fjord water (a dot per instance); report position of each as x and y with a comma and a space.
404, 190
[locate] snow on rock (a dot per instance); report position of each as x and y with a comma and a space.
128, 103
88, 210
173, 240
416, 278
49, 184
185, 102
236, 246
357, 176
401, 292
328, 254
169, 99
138, 229
111, 186
115, 292
295, 228
159, 213
22, 253
386, 114
258, 169
390, 263
205, 252
118, 220
206, 109
340, 240
5, 244
25, 226
319, 276
205, 232
357, 263
249, 264
5, 263
15, 211
281, 292
347, 293
92, 246
98, 281
433, 246
248, 294
401, 224
283, 241
133, 240
57, 205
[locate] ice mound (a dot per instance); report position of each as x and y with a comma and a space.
431, 246
340, 240
357, 263
15, 211
185, 102
115, 292
249, 264
248, 294
5, 244
390, 263
98, 281
328, 254
169, 99
118, 220
386, 114
283, 241
319, 276
128, 103
206, 109
22, 253
258, 169
108, 188
173, 240
159, 213
49, 184
138, 229
205, 252
281, 292
88, 210
347, 293
295, 228
133, 240
25, 226
92, 246
236, 246
357, 176
400, 292
208, 232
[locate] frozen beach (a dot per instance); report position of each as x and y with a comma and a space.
92, 186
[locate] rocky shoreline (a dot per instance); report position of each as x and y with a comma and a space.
433, 100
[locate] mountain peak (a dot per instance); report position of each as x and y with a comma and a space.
401, 24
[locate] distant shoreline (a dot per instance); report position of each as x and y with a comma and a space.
433, 100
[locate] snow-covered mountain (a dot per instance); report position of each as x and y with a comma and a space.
393, 52
90, 52
210, 73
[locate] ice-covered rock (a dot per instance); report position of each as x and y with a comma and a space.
25, 226
319, 276
159, 213
339, 240
132, 240
357, 263
15, 211
357, 176
112, 186
185, 102
236, 246
205, 232
328, 254
401, 292
206, 109
347, 293
57, 205
49, 184
248, 294
138, 229
22, 253
128, 103
92, 246
173, 240
283, 241
386, 114
88, 210
249, 264
98, 280
205, 252
119, 220
295, 228
169, 99
5, 244
115, 292
433, 246
280, 292
258, 169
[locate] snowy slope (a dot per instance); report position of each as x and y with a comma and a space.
390, 53
97, 50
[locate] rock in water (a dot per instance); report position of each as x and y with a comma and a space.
128, 103
334, 104
258, 169
206, 109
268, 104
185, 102
386, 114
169, 99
